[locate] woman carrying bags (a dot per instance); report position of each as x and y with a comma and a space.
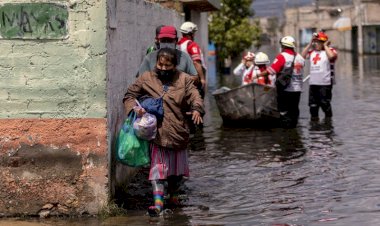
169, 156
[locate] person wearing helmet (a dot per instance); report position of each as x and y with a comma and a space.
261, 62
167, 38
245, 67
322, 58
288, 98
188, 45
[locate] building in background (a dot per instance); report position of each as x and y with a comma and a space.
271, 15
342, 22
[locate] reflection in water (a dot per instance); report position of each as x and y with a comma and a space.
320, 173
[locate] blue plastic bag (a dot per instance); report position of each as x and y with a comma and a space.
154, 106
131, 150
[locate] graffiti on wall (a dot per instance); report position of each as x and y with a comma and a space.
33, 21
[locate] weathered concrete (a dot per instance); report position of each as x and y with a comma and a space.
53, 132
57, 78
53, 167
33, 21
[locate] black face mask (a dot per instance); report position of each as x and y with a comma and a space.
165, 74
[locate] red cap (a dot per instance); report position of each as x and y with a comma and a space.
168, 32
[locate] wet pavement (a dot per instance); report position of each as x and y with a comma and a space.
320, 173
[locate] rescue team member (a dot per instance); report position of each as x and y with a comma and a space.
322, 59
168, 151
245, 67
261, 62
188, 45
167, 38
289, 98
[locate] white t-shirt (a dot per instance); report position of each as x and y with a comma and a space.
320, 68
241, 70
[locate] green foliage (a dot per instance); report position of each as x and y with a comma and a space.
231, 30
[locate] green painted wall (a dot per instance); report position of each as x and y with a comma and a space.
57, 78
33, 21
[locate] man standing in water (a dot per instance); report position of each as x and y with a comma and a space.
322, 59
188, 45
288, 97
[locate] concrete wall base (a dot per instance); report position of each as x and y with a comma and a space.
53, 167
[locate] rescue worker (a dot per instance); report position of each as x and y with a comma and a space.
167, 38
188, 45
322, 58
261, 62
245, 68
156, 44
288, 99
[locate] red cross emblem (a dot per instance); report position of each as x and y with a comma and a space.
298, 67
316, 58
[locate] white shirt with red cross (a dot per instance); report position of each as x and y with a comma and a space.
320, 68
285, 58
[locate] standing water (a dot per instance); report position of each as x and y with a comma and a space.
320, 173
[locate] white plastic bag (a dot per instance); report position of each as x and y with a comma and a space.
146, 127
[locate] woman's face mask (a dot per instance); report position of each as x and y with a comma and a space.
165, 69
164, 73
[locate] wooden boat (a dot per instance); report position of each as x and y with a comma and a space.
251, 103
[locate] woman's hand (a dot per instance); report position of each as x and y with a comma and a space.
139, 111
196, 117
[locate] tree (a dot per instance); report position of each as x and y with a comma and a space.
231, 30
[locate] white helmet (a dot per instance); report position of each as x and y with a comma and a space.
288, 41
261, 58
188, 27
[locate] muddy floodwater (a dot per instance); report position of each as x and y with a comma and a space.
320, 173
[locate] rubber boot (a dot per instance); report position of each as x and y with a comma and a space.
158, 196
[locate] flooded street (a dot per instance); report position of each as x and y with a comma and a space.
321, 173
324, 173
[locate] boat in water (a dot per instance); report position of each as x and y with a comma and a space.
252, 103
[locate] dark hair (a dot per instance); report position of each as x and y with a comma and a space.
169, 54
158, 29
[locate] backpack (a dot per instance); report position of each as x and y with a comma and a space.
285, 76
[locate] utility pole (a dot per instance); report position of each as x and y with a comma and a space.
297, 24
358, 15
318, 15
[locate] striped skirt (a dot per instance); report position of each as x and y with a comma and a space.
167, 162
